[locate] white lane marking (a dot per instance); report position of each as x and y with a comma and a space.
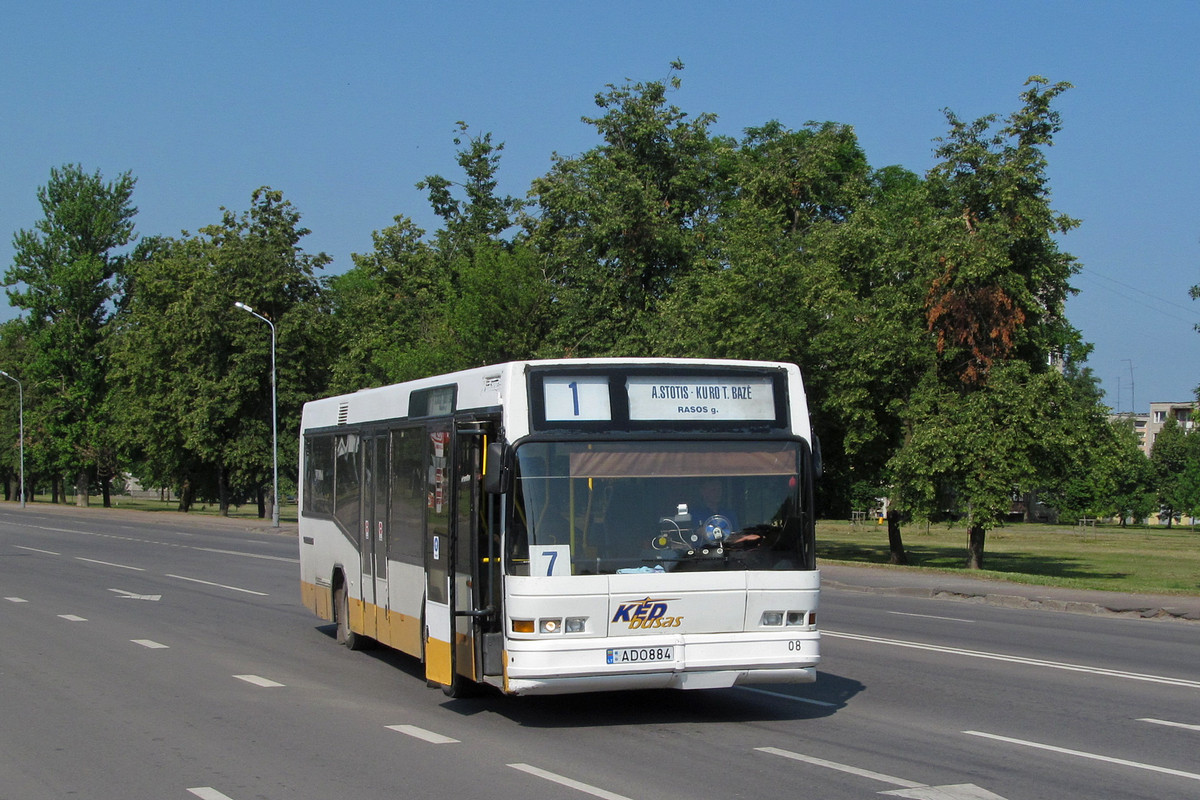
1083, 754
37, 550
132, 596
16, 599
72, 618
595, 791
150, 643
151, 541
810, 701
960, 791
1033, 662
909, 789
243, 554
932, 616
218, 585
209, 793
862, 773
109, 564
421, 733
258, 680
1183, 725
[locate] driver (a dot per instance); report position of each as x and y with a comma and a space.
712, 503
712, 509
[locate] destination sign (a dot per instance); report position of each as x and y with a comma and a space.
724, 398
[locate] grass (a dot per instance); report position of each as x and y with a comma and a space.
1147, 560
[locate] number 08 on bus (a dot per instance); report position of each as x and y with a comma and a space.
570, 525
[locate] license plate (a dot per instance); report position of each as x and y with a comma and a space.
640, 655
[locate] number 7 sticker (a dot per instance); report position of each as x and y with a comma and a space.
550, 560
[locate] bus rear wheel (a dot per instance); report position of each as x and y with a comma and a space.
345, 635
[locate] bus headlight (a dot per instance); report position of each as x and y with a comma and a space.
550, 626
771, 618
576, 624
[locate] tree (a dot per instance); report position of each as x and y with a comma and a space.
996, 308
66, 274
194, 372
622, 223
1175, 465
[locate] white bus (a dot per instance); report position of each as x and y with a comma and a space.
569, 525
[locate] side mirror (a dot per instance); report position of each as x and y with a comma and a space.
497, 472
817, 464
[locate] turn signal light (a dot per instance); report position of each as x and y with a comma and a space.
522, 626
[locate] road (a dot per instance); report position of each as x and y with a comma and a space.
157, 656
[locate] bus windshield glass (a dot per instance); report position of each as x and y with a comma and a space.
591, 508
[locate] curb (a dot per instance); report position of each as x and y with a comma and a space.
1125, 609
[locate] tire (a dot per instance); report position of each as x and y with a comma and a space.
462, 687
341, 603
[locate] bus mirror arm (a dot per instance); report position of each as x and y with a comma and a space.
477, 612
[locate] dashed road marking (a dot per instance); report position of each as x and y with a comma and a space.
258, 680
209, 793
850, 770
909, 789
72, 618
1184, 725
150, 643
421, 733
109, 564
570, 783
16, 599
218, 585
37, 550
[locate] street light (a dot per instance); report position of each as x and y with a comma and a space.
274, 423
20, 427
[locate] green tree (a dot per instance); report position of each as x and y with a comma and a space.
622, 223
194, 372
1175, 464
996, 308
66, 274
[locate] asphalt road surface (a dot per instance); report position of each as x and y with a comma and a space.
158, 656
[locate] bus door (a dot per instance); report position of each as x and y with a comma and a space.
439, 556
458, 569
476, 553
372, 531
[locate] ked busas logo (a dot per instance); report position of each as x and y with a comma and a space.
648, 613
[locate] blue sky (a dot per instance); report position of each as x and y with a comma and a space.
345, 106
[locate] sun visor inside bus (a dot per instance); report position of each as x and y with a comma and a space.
640, 464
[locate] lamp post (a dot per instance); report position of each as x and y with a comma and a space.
274, 422
20, 428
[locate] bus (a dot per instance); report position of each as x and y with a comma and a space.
571, 525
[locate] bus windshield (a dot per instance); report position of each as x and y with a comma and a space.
592, 508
